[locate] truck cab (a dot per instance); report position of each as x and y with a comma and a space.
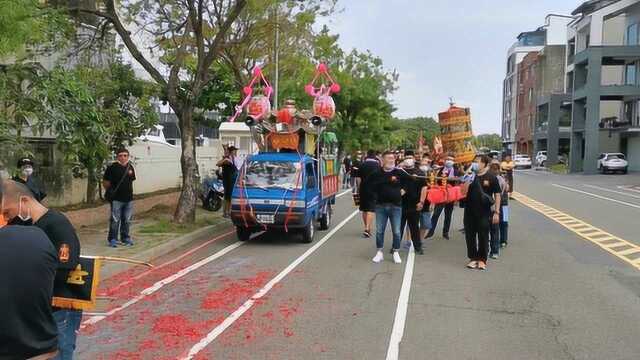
281, 191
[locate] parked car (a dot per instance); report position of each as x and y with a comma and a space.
612, 162
522, 161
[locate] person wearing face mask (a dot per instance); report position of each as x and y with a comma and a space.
387, 185
479, 212
424, 207
18, 202
26, 177
449, 172
411, 207
118, 183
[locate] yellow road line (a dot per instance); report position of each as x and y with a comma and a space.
606, 241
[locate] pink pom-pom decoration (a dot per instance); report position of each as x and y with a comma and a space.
310, 90
247, 90
322, 68
335, 88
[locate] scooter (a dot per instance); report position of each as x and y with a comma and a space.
212, 193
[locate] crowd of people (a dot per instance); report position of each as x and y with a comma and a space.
45, 250
392, 188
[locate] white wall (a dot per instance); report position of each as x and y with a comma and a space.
557, 29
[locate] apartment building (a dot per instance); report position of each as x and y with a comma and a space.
520, 95
603, 58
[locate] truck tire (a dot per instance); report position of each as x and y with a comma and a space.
325, 220
308, 233
244, 234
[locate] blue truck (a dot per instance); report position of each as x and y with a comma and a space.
286, 192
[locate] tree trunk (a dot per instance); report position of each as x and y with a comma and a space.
92, 185
186, 209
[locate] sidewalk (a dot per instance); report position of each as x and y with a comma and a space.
153, 234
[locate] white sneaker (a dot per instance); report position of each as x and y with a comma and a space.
396, 258
379, 257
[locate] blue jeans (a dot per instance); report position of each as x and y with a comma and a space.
120, 221
384, 213
425, 221
68, 322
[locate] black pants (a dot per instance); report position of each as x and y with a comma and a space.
476, 232
448, 212
411, 219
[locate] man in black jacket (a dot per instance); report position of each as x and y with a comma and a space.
118, 183
413, 188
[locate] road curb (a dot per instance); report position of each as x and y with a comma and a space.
155, 252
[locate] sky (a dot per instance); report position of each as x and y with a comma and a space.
444, 48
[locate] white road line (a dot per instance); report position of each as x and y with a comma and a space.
166, 281
262, 292
612, 191
342, 193
628, 188
598, 196
401, 310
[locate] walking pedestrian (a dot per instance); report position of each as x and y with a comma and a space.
387, 185
26, 177
118, 184
346, 167
230, 164
355, 165
424, 207
367, 168
483, 193
507, 167
449, 172
411, 207
495, 234
18, 201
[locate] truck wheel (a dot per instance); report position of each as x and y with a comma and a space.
244, 234
325, 220
308, 233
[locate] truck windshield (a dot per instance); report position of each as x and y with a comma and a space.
273, 174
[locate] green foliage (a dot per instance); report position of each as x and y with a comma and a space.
491, 141
27, 22
405, 133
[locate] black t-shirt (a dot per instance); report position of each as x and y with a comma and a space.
65, 241
347, 164
412, 187
229, 172
487, 183
28, 264
365, 170
387, 186
116, 173
34, 185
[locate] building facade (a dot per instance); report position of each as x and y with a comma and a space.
526, 99
602, 68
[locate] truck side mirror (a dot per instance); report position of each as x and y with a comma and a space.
317, 120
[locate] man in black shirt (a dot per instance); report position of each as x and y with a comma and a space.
19, 202
118, 183
484, 191
413, 188
230, 165
367, 196
25, 166
387, 185
346, 165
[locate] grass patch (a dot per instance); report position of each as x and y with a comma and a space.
559, 169
166, 226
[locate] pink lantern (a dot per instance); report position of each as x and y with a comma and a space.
259, 106
324, 106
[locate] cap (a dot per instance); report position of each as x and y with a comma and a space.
232, 148
25, 161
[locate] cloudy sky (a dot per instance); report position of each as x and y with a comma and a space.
444, 48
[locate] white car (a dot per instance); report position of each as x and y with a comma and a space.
522, 161
612, 162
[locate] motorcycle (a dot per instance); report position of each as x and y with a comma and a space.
212, 193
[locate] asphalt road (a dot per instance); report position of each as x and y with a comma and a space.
550, 295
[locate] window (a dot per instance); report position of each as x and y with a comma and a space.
630, 74
311, 176
269, 174
632, 34
530, 95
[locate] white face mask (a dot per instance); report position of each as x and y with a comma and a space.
27, 171
22, 217
425, 168
448, 163
410, 163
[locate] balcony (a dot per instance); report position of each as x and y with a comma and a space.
611, 55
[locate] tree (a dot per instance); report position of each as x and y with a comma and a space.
28, 22
491, 141
406, 132
178, 30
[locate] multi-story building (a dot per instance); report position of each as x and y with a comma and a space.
552, 33
603, 60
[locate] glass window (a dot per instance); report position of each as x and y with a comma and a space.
630, 74
311, 178
632, 34
273, 174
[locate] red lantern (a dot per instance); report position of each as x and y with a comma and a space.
259, 106
284, 116
324, 106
